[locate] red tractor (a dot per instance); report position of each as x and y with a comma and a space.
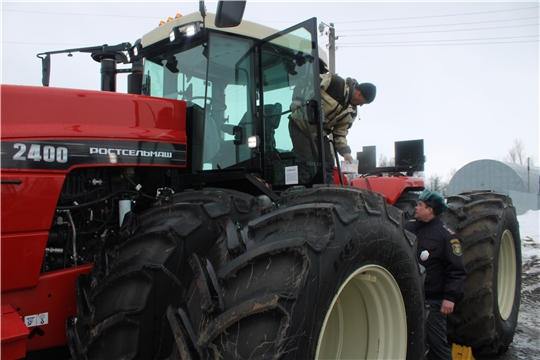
170, 223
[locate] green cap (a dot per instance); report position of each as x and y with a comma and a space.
434, 200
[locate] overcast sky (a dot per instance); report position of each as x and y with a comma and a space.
463, 76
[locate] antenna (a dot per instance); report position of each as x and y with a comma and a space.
202, 10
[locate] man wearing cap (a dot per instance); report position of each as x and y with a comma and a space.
340, 99
439, 251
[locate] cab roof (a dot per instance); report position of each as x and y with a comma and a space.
246, 28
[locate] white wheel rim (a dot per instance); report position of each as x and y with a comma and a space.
367, 319
506, 278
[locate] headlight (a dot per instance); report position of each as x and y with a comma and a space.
190, 30
135, 52
253, 142
183, 31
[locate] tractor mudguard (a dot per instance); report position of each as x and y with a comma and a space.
390, 186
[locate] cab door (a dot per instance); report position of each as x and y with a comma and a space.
289, 63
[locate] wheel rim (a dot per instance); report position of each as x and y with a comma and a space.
506, 278
366, 319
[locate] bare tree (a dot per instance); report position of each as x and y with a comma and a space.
436, 183
516, 154
384, 162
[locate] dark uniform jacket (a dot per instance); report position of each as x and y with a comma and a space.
439, 251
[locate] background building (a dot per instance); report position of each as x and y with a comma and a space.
519, 182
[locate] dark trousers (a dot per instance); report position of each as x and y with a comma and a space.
306, 156
436, 333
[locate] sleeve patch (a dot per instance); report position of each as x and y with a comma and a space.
456, 247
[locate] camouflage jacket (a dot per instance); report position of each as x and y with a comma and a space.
339, 115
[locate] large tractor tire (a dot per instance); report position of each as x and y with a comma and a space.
122, 303
330, 274
485, 319
407, 203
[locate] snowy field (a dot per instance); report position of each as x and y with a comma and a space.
526, 345
529, 228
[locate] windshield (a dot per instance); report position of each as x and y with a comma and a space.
224, 94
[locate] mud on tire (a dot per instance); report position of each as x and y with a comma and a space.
121, 304
485, 319
266, 287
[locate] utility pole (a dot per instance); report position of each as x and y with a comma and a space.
331, 45
528, 174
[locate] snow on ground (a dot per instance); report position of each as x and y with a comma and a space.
529, 229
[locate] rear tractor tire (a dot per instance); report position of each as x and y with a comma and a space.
486, 318
330, 274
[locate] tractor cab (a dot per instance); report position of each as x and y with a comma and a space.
238, 85
237, 79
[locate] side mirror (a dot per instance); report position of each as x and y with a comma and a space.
229, 13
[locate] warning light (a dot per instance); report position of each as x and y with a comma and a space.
178, 16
